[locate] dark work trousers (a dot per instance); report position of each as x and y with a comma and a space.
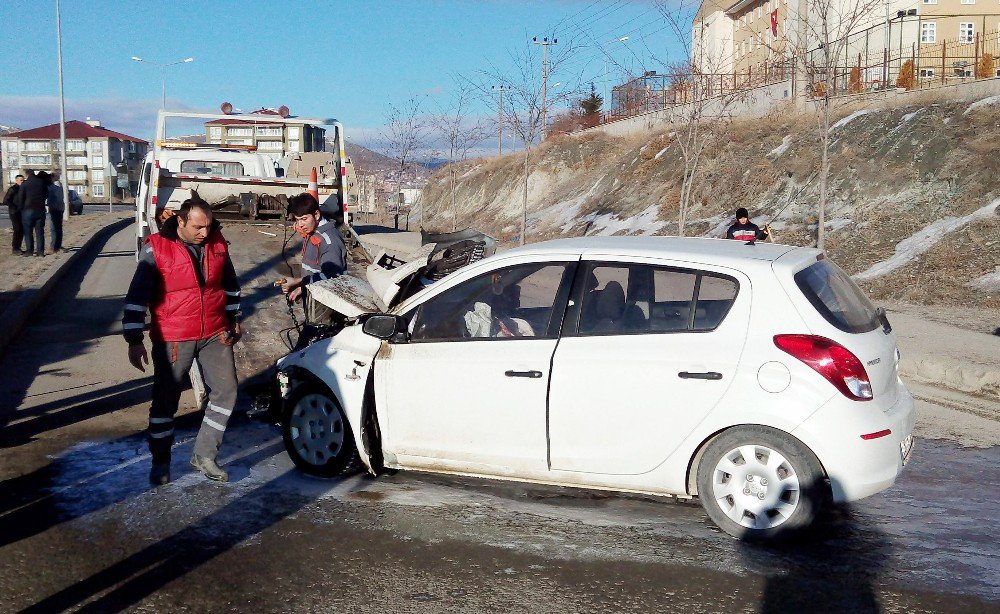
171, 362
34, 230
56, 235
17, 225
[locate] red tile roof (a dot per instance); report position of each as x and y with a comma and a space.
75, 129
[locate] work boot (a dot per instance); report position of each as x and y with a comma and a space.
208, 466
159, 474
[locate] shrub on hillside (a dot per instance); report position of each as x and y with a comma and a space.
986, 67
854, 82
907, 76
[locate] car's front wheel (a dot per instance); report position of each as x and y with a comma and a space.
759, 483
317, 435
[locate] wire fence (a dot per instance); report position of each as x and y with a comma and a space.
872, 60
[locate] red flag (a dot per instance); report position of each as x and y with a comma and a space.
774, 22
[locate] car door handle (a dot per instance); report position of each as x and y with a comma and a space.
706, 375
531, 374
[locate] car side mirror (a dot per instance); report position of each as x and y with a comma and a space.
383, 326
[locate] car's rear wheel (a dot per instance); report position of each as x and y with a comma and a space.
759, 483
317, 435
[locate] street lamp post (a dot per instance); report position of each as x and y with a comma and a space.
607, 80
62, 119
163, 75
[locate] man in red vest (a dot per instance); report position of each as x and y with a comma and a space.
186, 280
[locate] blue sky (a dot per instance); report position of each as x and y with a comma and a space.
346, 59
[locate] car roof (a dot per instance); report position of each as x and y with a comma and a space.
692, 249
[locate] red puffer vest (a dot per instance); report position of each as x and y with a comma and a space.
183, 310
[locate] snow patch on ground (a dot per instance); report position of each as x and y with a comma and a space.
780, 149
607, 224
985, 102
909, 248
837, 223
660, 153
850, 118
566, 213
987, 283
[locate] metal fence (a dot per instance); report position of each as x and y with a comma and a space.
654, 92
864, 64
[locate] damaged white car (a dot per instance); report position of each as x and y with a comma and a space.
755, 376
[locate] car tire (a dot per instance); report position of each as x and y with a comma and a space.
317, 434
773, 495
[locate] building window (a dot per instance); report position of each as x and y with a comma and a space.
240, 131
928, 32
75, 145
97, 175
293, 132
36, 160
36, 146
926, 72
76, 175
968, 1
12, 146
215, 132
131, 146
97, 161
239, 141
76, 160
268, 130
13, 161
966, 32
930, 1
293, 146
97, 190
96, 147
12, 175
270, 146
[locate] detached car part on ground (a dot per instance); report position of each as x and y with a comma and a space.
757, 377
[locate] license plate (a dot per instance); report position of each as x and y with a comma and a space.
905, 447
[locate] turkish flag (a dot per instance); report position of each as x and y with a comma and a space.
774, 22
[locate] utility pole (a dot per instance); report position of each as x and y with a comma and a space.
62, 119
545, 42
500, 90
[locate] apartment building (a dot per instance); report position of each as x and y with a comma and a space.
746, 36
273, 139
90, 149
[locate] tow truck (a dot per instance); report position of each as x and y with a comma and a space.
238, 182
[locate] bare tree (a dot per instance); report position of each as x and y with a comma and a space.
695, 95
819, 41
460, 133
407, 134
523, 111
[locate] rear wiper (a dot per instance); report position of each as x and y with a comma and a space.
880, 314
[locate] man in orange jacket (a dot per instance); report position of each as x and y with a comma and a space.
186, 279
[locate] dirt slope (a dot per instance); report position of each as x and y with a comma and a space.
913, 200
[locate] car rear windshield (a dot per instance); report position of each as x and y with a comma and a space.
837, 297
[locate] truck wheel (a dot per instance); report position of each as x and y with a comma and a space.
317, 435
760, 484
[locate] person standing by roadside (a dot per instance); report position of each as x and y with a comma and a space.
186, 279
14, 212
32, 196
745, 230
57, 208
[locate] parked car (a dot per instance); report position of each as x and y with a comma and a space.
75, 203
755, 376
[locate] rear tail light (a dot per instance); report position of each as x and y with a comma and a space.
831, 360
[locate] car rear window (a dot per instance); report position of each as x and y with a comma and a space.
837, 298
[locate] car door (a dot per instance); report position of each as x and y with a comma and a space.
648, 349
468, 389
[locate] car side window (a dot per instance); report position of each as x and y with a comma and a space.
509, 303
638, 298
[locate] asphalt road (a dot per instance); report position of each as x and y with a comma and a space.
81, 530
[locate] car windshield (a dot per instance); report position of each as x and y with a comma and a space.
837, 297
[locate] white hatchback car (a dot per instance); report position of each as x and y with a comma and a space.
755, 376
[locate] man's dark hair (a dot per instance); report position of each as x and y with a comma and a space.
16, 177
303, 204
195, 202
